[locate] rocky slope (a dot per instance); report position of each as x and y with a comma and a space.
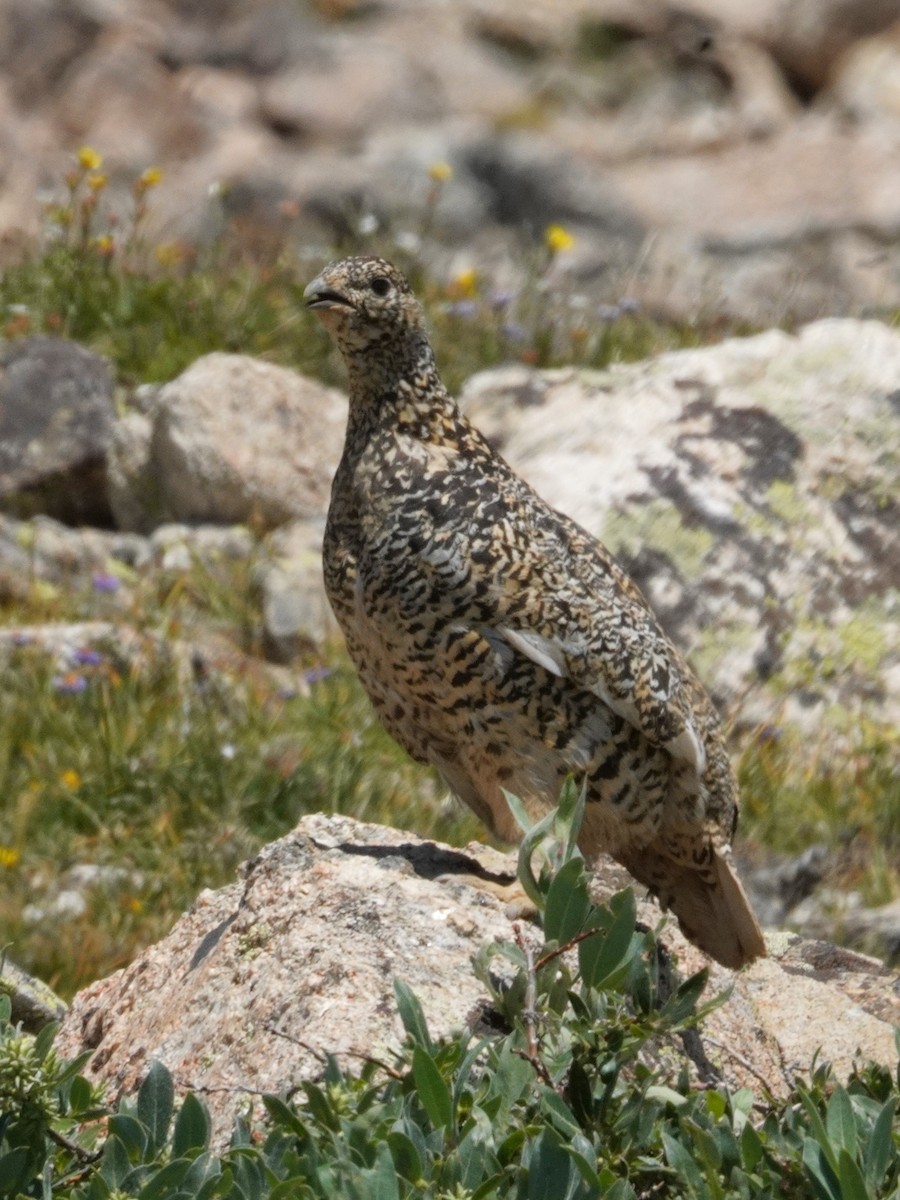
691, 149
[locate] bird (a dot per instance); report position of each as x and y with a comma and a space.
500, 642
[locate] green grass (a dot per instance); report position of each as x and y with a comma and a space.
174, 780
127, 755
796, 793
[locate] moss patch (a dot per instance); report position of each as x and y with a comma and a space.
660, 526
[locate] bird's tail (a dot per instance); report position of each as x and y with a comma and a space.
711, 906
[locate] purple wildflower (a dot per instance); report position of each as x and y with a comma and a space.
72, 684
104, 582
87, 658
462, 308
513, 331
629, 305
315, 674
608, 312
501, 298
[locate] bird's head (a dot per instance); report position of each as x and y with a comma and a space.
365, 302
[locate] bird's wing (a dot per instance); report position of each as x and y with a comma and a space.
579, 617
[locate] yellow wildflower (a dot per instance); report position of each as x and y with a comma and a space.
97, 181
104, 245
465, 283
149, 178
558, 238
41, 591
9, 856
440, 172
70, 779
89, 159
170, 254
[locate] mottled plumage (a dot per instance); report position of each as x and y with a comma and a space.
502, 643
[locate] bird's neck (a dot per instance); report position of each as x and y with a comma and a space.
398, 385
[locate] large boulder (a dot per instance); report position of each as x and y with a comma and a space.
262, 978
231, 439
56, 419
751, 490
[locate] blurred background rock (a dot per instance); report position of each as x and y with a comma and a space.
709, 157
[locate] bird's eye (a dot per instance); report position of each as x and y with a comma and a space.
380, 286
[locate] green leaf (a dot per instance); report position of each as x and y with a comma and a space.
840, 1122
411, 1015
115, 1165
206, 1170
14, 1171
464, 1071
620, 1190
881, 1145
291, 1189
248, 1171
155, 1103
69, 1070
132, 1133
381, 1180
682, 1162
665, 1095
517, 809
530, 842
584, 1156
475, 1159
684, 1003
164, 1184
551, 1169
432, 1089
192, 1126
602, 957
509, 1148
43, 1041
561, 1116
580, 1093
319, 1106
853, 1186
570, 814
490, 1189
817, 1126
568, 903
98, 1189
221, 1184
820, 1171
511, 1077
283, 1116
80, 1095
407, 1162
751, 1147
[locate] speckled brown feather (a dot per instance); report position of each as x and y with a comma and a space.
502, 643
